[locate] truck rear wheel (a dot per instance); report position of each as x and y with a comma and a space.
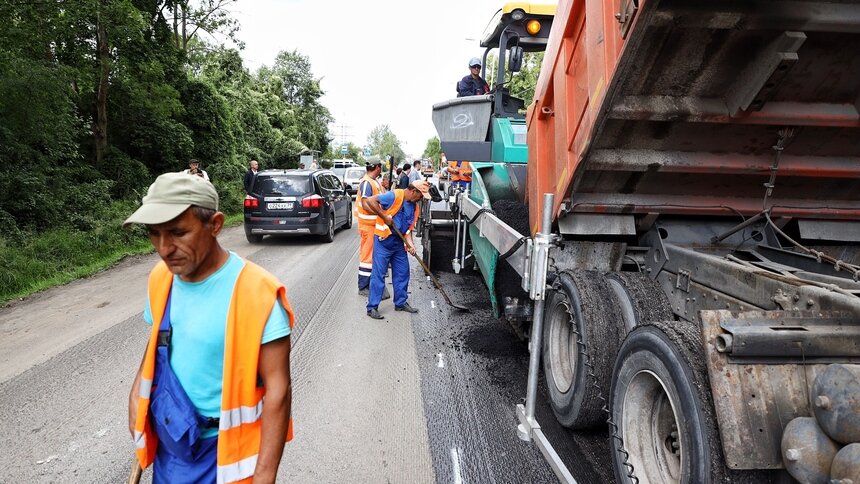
640, 299
661, 404
580, 340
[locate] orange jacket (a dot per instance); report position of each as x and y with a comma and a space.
465, 171
240, 427
382, 231
366, 220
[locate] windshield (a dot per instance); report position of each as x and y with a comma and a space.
339, 172
355, 173
284, 185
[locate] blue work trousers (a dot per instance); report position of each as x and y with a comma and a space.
389, 251
170, 469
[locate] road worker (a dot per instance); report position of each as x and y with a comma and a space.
220, 342
397, 208
461, 174
368, 187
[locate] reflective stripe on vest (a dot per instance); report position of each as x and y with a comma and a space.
381, 230
366, 220
237, 470
240, 428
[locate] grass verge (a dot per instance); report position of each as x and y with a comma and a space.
38, 261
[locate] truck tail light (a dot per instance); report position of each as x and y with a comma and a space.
313, 201
251, 202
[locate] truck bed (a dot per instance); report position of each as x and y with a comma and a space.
682, 116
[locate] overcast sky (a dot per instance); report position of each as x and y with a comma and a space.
380, 61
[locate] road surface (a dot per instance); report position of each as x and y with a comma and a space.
422, 398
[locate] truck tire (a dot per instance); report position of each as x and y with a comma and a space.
640, 299
580, 340
661, 404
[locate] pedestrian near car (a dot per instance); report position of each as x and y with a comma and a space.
194, 169
250, 175
403, 180
211, 400
399, 209
415, 173
473, 84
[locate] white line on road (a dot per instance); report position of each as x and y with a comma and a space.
455, 460
440, 360
433, 304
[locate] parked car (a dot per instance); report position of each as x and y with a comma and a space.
352, 178
338, 172
284, 202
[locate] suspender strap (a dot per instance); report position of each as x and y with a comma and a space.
165, 330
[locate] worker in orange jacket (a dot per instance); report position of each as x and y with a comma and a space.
219, 344
368, 187
461, 174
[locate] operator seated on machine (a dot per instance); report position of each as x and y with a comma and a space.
461, 175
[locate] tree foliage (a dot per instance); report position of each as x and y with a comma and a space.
384, 142
433, 151
97, 97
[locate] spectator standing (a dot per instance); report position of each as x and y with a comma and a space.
194, 169
415, 173
403, 180
250, 175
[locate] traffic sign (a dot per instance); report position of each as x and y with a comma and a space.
344, 149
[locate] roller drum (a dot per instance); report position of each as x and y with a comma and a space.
807, 451
846, 465
836, 402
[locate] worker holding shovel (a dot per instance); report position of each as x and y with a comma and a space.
397, 208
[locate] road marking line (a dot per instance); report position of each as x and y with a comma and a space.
441, 360
433, 304
455, 459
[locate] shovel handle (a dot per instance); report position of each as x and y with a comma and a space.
136, 472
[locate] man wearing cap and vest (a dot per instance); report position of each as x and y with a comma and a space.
220, 342
397, 208
461, 174
368, 187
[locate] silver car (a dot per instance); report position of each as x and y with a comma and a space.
352, 177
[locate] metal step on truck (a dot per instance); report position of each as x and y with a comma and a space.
691, 258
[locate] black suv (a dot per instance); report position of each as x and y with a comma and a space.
286, 202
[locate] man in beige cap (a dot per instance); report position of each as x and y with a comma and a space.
220, 341
397, 208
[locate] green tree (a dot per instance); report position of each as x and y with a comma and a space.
433, 151
384, 142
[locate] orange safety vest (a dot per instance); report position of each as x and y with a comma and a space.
240, 427
366, 220
382, 231
465, 171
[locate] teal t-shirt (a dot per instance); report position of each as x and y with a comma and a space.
198, 314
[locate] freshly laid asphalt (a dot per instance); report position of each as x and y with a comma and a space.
422, 398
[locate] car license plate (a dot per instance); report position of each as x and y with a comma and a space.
279, 206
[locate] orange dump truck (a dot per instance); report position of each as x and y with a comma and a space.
693, 188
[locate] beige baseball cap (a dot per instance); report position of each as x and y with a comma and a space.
170, 195
423, 187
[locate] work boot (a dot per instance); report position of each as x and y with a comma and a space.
374, 313
364, 292
406, 307
385, 293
